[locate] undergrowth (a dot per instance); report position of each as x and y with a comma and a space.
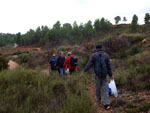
25, 91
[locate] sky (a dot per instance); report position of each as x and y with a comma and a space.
23, 15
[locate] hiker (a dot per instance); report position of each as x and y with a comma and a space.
71, 63
60, 62
102, 69
52, 62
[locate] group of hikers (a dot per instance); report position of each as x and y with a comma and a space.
100, 60
62, 63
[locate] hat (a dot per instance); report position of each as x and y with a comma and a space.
69, 53
99, 46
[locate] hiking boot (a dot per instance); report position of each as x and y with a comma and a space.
107, 107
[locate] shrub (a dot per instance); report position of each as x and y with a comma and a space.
137, 109
3, 63
134, 49
85, 61
114, 45
120, 81
142, 69
121, 54
64, 48
30, 91
132, 38
145, 85
23, 58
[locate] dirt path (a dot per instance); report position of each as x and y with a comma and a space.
99, 109
128, 96
46, 71
12, 65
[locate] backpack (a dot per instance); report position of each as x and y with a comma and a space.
73, 61
61, 60
100, 67
53, 63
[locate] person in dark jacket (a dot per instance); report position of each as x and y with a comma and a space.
101, 82
52, 62
60, 63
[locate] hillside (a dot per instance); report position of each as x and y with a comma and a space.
28, 89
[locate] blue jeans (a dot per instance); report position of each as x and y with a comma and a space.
102, 84
61, 71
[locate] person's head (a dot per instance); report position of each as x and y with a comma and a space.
69, 53
54, 55
99, 46
61, 53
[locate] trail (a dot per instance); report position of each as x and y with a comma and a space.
130, 97
99, 109
12, 65
45, 71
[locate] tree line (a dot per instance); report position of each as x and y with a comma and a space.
67, 33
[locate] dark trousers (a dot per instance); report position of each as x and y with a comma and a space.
71, 71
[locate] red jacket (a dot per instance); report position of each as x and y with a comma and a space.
67, 62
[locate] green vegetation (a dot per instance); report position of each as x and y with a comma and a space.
3, 63
74, 34
6, 39
32, 92
117, 19
147, 18
134, 23
137, 109
27, 91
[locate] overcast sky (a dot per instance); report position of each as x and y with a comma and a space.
22, 15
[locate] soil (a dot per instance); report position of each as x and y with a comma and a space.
11, 50
98, 108
12, 65
120, 103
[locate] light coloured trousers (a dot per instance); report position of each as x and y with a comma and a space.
102, 85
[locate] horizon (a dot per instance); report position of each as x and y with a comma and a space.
21, 16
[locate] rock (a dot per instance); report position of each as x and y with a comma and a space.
12, 65
144, 41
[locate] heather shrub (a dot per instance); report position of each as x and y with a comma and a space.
114, 45
25, 91
134, 50
132, 38
3, 63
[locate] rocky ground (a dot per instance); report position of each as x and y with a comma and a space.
124, 101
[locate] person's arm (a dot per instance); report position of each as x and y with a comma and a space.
89, 64
49, 61
64, 65
109, 69
57, 61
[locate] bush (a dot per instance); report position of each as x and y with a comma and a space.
138, 78
114, 45
120, 81
3, 63
64, 48
31, 92
132, 38
134, 50
144, 108
23, 58
121, 54
142, 69
145, 85
85, 61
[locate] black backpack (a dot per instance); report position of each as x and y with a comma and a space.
61, 60
73, 61
100, 67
